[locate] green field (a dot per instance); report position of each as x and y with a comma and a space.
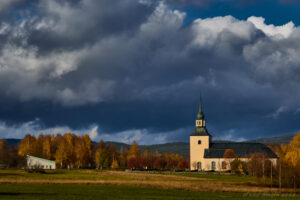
93, 184
84, 192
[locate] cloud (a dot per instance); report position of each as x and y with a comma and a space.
144, 136
100, 67
93, 133
5, 4
277, 112
283, 31
35, 128
141, 136
141, 57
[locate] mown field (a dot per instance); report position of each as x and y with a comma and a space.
92, 184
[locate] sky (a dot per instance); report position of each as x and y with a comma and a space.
128, 70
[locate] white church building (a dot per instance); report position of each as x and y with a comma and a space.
209, 156
41, 163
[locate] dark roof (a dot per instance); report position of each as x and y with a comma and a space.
200, 131
241, 149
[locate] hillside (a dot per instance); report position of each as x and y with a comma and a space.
181, 148
12, 141
275, 140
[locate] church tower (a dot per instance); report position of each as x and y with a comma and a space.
199, 141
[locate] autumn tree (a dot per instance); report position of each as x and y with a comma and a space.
115, 164
112, 153
292, 157
229, 156
28, 146
147, 159
133, 157
49, 147
237, 166
160, 162
3, 152
70, 147
259, 165
101, 156
83, 151
183, 164
123, 157
61, 154
39, 145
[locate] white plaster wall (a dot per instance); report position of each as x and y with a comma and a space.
34, 162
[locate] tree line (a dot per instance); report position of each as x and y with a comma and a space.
284, 173
72, 151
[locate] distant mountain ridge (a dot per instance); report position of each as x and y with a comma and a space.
275, 140
181, 148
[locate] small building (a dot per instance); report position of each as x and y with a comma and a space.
36, 162
208, 155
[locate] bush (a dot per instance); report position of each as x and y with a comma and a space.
36, 170
238, 167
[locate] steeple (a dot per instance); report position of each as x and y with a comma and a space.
200, 122
200, 115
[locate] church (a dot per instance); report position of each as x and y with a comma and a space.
207, 155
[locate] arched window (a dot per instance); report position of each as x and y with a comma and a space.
199, 165
199, 141
224, 165
213, 165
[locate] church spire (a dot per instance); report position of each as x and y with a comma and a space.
200, 115
200, 122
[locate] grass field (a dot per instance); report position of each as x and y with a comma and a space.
221, 177
83, 192
92, 184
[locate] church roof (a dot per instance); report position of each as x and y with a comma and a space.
200, 131
241, 149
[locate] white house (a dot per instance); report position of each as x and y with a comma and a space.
35, 162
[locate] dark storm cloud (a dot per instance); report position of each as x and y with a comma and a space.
134, 66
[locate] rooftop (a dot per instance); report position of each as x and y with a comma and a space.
241, 149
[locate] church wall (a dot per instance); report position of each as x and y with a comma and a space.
197, 150
207, 163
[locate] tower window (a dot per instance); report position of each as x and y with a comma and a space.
199, 141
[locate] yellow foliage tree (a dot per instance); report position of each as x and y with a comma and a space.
83, 150
27, 146
61, 154
134, 151
293, 151
49, 146
115, 164
296, 141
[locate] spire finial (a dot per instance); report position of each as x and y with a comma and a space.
200, 106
